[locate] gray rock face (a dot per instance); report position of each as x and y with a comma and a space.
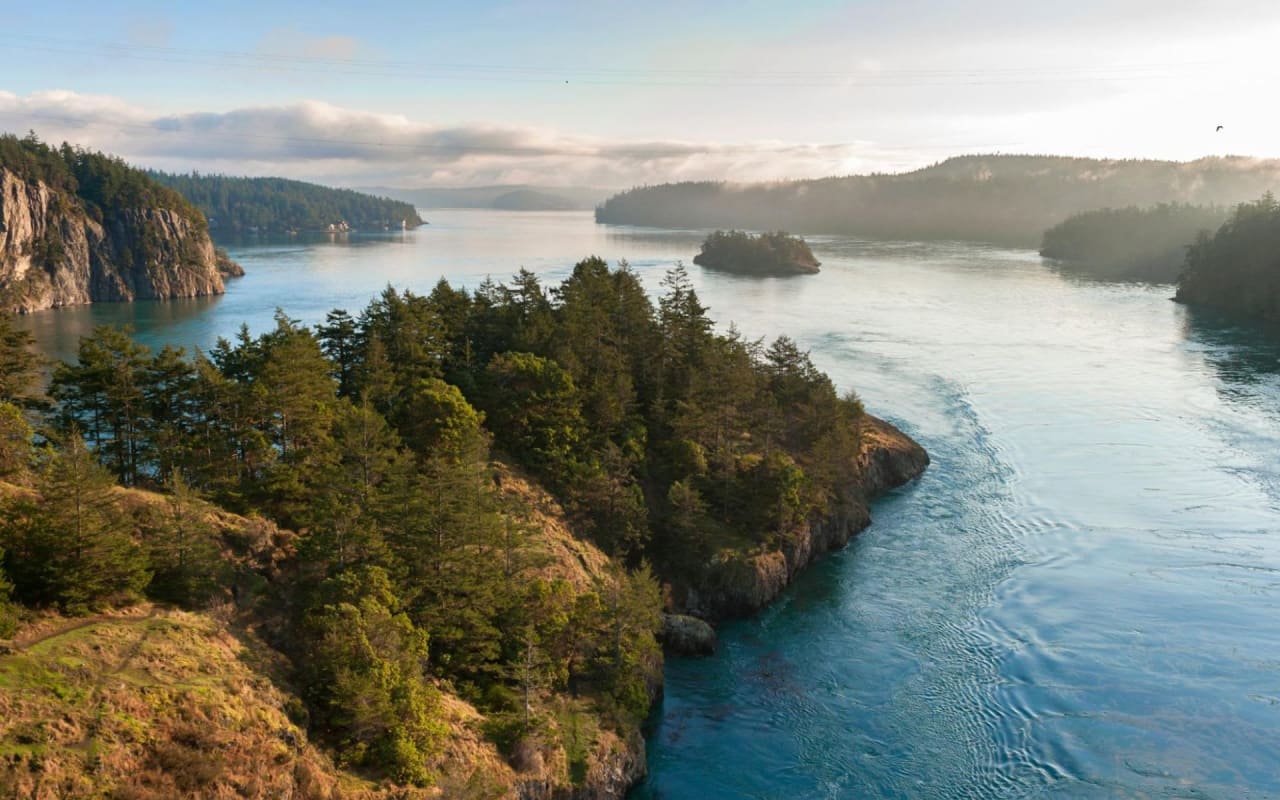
53, 253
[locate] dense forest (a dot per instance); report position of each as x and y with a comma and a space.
774, 253
1133, 244
105, 184
1237, 269
1001, 199
237, 205
383, 441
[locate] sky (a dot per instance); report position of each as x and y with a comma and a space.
614, 94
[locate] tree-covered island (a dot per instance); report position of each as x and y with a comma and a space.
775, 253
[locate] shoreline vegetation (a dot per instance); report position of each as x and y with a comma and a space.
1131, 244
1236, 269
438, 538
764, 254
237, 206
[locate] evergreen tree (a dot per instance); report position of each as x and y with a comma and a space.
183, 547
15, 443
102, 395
8, 611
365, 676
73, 547
19, 364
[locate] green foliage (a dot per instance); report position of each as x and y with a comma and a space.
438, 422
19, 364
15, 443
365, 677
8, 611
1005, 199
236, 205
776, 253
1237, 269
73, 547
1141, 244
533, 408
183, 549
106, 185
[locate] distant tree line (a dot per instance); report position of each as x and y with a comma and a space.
1137, 244
1237, 268
237, 205
1004, 199
372, 437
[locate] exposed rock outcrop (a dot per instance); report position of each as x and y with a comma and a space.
735, 584
684, 635
54, 252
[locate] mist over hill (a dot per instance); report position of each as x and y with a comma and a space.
1002, 199
569, 198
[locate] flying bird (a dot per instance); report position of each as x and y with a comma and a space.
1219, 128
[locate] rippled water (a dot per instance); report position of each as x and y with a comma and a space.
1079, 599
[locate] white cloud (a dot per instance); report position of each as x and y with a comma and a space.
319, 141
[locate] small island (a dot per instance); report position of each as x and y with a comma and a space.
775, 253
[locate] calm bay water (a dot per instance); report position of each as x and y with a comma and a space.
1079, 599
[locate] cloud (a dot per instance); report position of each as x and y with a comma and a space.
318, 141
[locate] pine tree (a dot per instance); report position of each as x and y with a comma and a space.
73, 547
15, 443
8, 612
19, 364
184, 550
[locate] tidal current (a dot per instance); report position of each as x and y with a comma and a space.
1080, 597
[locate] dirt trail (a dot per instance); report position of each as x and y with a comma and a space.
25, 642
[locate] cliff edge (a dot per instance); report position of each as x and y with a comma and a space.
78, 227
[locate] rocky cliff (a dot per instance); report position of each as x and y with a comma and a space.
55, 251
739, 583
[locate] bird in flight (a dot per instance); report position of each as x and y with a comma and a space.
1219, 127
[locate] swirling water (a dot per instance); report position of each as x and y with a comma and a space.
1079, 599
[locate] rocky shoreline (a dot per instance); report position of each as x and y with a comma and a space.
741, 584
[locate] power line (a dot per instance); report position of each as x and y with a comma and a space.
415, 70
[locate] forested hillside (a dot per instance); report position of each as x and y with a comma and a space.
238, 205
989, 198
1237, 268
401, 558
1136, 244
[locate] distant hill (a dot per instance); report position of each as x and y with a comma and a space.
532, 200
237, 205
579, 198
990, 198
1132, 244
